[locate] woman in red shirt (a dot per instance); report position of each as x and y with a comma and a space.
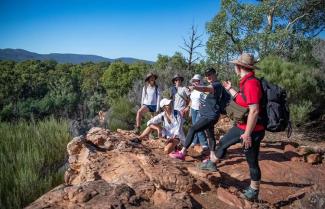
251, 132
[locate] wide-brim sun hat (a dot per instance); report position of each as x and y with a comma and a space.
197, 77
177, 76
149, 75
246, 60
164, 102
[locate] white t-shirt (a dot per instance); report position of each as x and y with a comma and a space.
195, 99
180, 96
150, 96
175, 128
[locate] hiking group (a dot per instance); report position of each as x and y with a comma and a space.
205, 103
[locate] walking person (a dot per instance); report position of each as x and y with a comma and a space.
168, 124
250, 131
209, 114
149, 101
195, 97
180, 95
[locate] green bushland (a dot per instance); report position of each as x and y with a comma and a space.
44, 88
304, 85
30, 156
121, 115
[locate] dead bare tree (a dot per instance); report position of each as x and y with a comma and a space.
190, 46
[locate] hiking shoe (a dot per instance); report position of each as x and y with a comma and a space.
208, 165
250, 194
177, 155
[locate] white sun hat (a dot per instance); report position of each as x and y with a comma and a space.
165, 102
196, 77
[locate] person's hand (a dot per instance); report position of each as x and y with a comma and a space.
247, 140
184, 111
226, 85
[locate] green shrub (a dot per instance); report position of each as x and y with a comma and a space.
30, 155
121, 114
304, 85
300, 112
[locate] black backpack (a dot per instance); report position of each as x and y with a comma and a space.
275, 110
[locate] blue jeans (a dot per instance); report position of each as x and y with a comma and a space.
199, 137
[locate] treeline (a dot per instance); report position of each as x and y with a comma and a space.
35, 89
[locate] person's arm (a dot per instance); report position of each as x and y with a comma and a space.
155, 120
209, 89
228, 87
251, 123
187, 108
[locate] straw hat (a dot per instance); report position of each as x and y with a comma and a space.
246, 60
150, 75
177, 76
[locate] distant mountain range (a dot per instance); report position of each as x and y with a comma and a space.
21, 55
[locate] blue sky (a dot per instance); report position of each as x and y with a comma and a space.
120, 28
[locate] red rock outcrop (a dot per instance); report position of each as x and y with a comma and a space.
107, 170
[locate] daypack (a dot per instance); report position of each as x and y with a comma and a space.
275, 111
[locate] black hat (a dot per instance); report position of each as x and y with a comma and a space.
209, 71
150, 75
177, 76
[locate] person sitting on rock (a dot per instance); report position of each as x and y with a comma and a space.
180, 95
149, 101
168, 124
209, 115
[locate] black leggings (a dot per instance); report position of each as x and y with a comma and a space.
233, 137
202, 124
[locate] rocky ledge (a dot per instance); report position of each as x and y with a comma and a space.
106, 170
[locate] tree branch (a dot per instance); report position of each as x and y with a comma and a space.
234, 41
295, 20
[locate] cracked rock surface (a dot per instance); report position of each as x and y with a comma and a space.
107, 170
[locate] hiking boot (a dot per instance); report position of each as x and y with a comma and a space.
250, 194
136, 130
208, 165
177, 155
